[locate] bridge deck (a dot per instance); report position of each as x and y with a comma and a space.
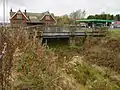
61, 32
68, 34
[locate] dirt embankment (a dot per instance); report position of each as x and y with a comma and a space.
103, 51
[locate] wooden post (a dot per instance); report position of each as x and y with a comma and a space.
40, 36
35, 37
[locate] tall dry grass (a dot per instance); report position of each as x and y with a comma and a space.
28, 65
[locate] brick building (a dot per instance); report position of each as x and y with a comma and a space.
29, 18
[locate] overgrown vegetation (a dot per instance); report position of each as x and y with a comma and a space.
28, 65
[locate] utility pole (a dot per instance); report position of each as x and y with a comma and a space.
4, 1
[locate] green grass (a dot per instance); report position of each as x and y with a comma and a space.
92, 78
114, 33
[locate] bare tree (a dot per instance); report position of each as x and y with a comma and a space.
78, 14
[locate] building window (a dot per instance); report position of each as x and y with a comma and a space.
19, 16
47, 17
19, 22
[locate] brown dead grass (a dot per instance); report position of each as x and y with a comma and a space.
103, 52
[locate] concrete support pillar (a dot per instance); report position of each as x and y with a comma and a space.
72, 40
76, 41
46, 41
41, 40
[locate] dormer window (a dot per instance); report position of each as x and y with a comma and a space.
19, 16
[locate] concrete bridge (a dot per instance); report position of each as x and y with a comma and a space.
70, 32
64, 32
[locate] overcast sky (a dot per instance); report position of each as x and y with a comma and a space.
61, 7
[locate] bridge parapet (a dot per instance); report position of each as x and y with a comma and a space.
64, 29
68, 31
56, 29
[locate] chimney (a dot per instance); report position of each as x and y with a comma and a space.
47, 12
11, 10
25, 12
